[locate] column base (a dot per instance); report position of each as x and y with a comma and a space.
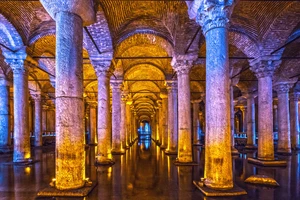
267, 163
250, 147
296, 148
6, 149
235, 191
197, 143
104, 163
177, 163
171, 152
234, 151
93, 144
284, 153
25, 162
117, 151
261, 180
80, 192
163, 147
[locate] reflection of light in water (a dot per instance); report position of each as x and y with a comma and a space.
109, 170
147, 129
147, 144
27, 170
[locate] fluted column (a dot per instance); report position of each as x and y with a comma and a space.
92, 122
70, 16
164, 120
218, 162
250, 122
103, 72
294, 97
264, 68
284, 132
37, 120
172, 117
116, 86
5, 140
21, 96
182, 66
196, 137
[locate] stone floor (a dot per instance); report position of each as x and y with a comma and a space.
145, 173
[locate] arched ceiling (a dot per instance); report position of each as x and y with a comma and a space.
143, 36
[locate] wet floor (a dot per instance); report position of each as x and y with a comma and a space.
145, 173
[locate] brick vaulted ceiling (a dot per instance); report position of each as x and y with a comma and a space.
132, 30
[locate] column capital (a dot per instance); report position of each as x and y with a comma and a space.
265, 66
124, 96
214, 15
182, 64
116, 84
295, 96
102, 67
92, 104
83, 8
196, 101
171, 85
282, 87
36, 96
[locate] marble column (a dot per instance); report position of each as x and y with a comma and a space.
244, 111
275, 118
172, 117
44, 118
128, 121
5, 139
92, 122
70, 17
284, 132
164, 120
159, 121
294, 97
218, 161
103, 72
21, 96
250, 122
157, 124
182, 65
37, 120
264, 68
196, 137
232, 121
116, 86
123, 135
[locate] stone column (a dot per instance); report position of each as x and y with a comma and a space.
116, 86
182, 66
70, 16
218, 161
294, 97
196, 137
5, 139
232, 118
103, 73
159, 121
164, 120
21, 98
264, 68
128, 122
37, 120
93, 122
275, 118
250, 122
44, 118
172, 117
123, 135
244, 111
157, 124
284, 132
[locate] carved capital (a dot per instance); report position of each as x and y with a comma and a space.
265, 66
214, 15
116, 85
18, 66
182, 64
171, 86
36, 96
102, 68
282, 88
295, 96
83, 8
92, 104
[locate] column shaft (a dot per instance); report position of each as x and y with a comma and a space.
38, 121
164, 121
250, 121
123, 123
172, 114
5, 139
70, 154
196, 138
93, 122
128, 124
294, 122
265, 119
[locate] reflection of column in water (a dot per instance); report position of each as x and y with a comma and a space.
7, 180
185, 179
91, 172
283, 177
22, 181
38, 155
266, 193
116, 177
295, 176
197, 154
104, 182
